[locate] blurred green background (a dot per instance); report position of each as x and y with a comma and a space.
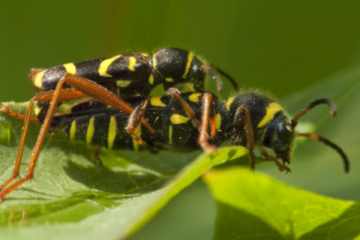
280, 46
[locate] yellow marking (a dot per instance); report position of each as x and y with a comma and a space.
144, 54
169, 79
177, 119
104, 66
170, 134
37, 109
90, 130
271, 110
154, 61
67, 107
38, 79
151, 79
123, 83
189, 60
156, 102
132, 63
229, 102
195, 97
112, 131
218, 120
70, 68
73, 129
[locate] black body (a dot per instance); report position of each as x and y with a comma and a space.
134, 74
174, 129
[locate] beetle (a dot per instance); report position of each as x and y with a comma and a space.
182, 121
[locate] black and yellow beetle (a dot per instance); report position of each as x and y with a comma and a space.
136, 74
113, 108
114, 80
111, 81
193, 120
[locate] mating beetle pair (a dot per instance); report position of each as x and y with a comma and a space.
111, 106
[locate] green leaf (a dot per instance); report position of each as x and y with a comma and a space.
252, 205
74, 198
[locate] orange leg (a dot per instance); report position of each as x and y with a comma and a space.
12, 184
103, 95
176, 94
20, 150
65, 94
212, 122
134, 122
203, 139
16, 115
85, 86
46, 96
249, 132
136, 117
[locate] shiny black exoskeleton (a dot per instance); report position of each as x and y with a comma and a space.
136, 74
274, 131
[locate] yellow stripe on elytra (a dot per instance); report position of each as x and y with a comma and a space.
177, 119
228, 102
151, 79
271, 110
194, 97
105, 64
132, 63
70, 68
123, 83
156, 102
90, 130
154, 62
112, 132
73, 129
189, 60
38, 79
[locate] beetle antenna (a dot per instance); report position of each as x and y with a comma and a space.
316, 137
216, 73
300, 114
228, 77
